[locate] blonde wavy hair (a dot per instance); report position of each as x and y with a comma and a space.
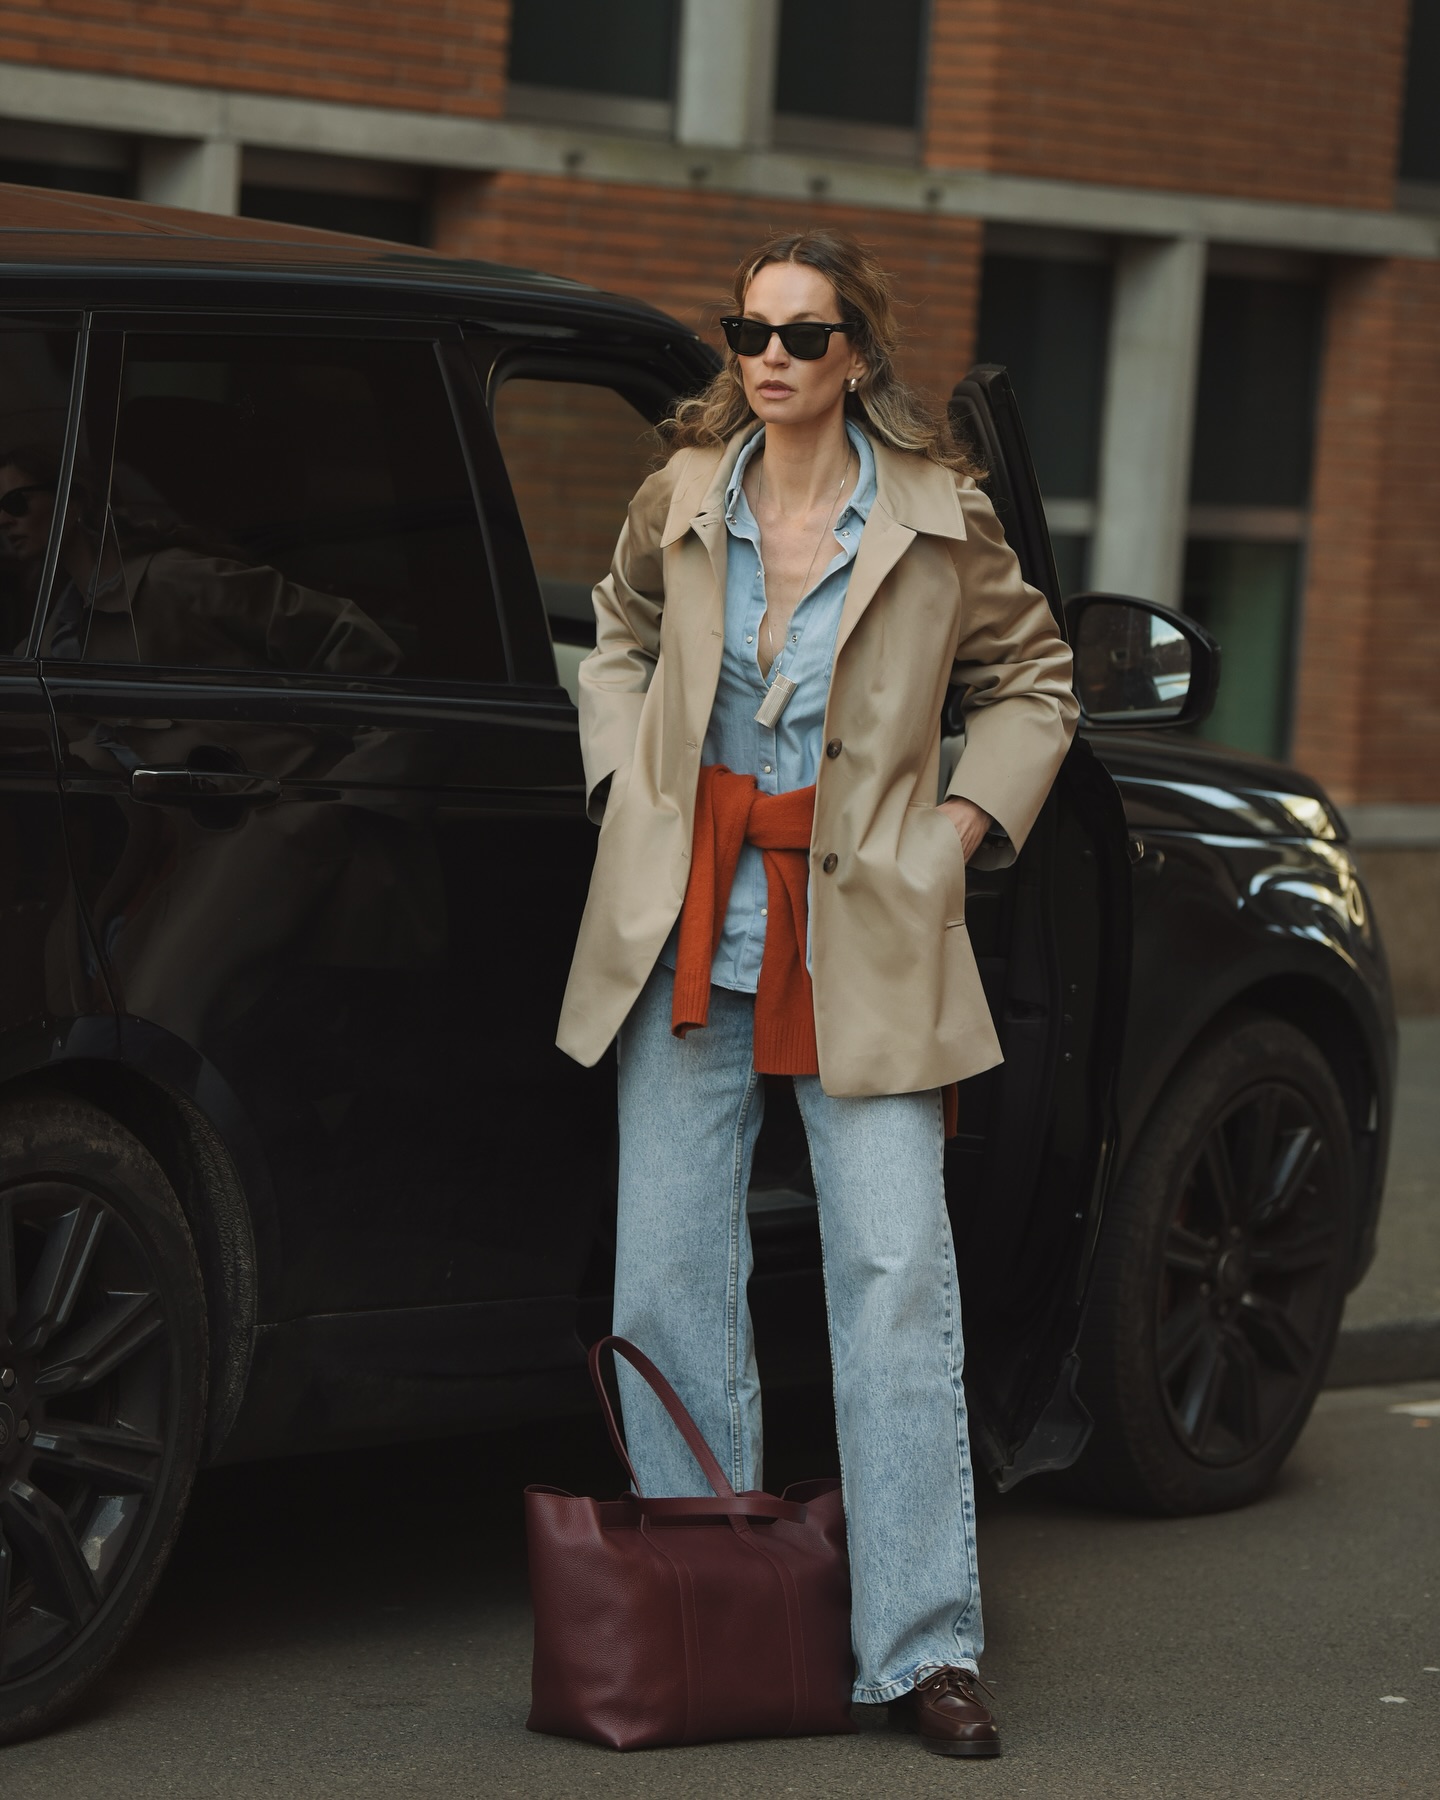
893, 410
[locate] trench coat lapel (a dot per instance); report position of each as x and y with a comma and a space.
911, 496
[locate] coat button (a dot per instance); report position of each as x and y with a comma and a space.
830, 863
833, 748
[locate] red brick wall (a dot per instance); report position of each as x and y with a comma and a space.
1268, 99
443, 56
678, 250
1368, 698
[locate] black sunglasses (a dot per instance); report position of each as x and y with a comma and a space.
805, 341
17, 501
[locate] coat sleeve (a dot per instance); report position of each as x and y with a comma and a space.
1020, 711
617, 672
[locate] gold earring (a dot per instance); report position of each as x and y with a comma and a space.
852, 383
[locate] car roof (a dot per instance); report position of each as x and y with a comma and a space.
48, 232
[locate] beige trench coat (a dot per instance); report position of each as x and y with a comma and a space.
935, 597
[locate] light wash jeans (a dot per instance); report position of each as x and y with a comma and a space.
690, 1112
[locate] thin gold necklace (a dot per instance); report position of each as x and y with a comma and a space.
825, 529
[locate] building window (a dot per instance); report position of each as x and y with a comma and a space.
595, 62
53, 156
1420, 135
361, 199
850, 76
1250, 489
1046, 318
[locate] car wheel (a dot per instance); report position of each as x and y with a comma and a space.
1220, 1278
102, 1395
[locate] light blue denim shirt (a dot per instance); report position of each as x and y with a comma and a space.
786, 755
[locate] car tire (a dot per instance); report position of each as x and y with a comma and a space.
1220, 1277
102, 1395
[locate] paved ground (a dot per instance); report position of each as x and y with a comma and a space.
355, 1626
1404, 1280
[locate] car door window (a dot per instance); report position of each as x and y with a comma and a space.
36, 362
298, 504
576, 452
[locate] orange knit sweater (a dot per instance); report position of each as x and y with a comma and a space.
730, 812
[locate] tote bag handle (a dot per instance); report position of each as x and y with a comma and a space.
668, 1398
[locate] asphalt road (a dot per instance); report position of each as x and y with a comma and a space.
356, 1626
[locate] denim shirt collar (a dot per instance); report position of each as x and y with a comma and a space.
738, 516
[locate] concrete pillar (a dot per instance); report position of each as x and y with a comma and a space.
1149, 419
725, 94
201, 174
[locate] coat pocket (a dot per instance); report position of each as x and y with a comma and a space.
945, 856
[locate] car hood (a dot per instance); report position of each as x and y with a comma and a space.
1171, 784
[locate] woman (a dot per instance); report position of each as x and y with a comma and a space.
789, 598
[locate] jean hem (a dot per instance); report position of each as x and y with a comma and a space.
894, 1690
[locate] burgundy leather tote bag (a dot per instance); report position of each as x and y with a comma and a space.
683, 1621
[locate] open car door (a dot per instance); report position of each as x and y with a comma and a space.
1026, 1176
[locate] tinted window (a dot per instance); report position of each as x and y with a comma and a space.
1420, 139
299, 504
1255, 404
390, 216
595, 46
576, 454
1047, 322
841, 59
35, 369
1244, 595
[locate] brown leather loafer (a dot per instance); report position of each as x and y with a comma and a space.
947, 1711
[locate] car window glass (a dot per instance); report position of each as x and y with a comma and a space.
576, 453
295, 504
35, 369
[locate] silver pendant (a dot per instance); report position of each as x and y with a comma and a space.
777, 698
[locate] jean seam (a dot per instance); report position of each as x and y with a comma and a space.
963, 1474
733, 1296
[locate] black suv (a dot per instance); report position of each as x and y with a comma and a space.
296, 542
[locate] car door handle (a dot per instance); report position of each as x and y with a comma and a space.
186, 787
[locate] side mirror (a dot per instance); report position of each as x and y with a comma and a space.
1139, 666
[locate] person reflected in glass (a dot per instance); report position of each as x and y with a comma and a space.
163, 591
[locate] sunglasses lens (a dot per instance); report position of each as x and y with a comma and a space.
807, 342
746, 337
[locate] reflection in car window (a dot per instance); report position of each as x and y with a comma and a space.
576, 454
298, 504
35, 368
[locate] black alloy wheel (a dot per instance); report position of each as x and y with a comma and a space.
102, 1386
1221, 1276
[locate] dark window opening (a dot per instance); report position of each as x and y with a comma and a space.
1420, 135
1048, 323
621, 47
70, 178
1244, 594
1046, 320
1255, 403
849, 61
398, 220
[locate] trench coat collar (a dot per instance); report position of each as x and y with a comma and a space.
913, 492
913, 496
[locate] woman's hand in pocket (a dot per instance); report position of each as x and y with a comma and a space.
970, 822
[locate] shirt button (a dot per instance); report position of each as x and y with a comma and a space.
750, 639
764, 912
833, 748
831, 863
765, 768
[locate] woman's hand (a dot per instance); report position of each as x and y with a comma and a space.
969, 821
